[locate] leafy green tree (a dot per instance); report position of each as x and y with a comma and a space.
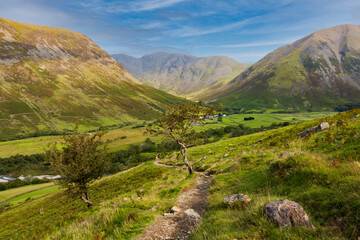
177, 123
80, 161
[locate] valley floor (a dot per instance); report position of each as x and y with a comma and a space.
321, 172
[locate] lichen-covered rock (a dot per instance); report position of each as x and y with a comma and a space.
287, 213
237, 200
323, 126
308, 131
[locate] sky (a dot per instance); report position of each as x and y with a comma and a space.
245, 30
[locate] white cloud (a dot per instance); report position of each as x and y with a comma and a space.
35, 13
192, 31
131, 6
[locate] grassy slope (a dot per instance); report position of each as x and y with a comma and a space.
122, 204
323, 176
21, 190
69, 80
37, 144
32, 195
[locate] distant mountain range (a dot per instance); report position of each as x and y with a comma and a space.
51, 78
317, 72
182, 74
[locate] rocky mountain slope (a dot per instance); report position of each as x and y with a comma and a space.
182, 74
52, 77
321, 70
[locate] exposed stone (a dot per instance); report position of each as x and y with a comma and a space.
239, 200
307, 131
203, 158
287, 213
191, 213
286, 155
154, 208
323, 126
175, 209
226, 155
221, 159
260, 140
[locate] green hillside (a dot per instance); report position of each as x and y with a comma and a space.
320, 171
51, 78
316, 73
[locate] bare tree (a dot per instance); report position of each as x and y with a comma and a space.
80, 161
177, 123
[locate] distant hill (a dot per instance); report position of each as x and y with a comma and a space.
182, 74
51, 78
319, 71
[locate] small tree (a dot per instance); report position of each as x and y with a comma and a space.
80, 161
177, 123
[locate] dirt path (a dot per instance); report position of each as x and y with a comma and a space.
189, 213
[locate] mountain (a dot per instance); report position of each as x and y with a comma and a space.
51, 78
317, 72
182, 74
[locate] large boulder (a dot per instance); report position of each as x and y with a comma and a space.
287, 213
237, 200
323, 126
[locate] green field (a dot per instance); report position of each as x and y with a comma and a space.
21, 190
38, 144
33, 194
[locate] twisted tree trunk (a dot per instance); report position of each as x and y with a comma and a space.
184, 154
85, 197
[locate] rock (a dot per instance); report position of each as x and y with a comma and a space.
154, 208
287, 213
307, 131
231, 149
286, 155
175, 209
226, 155
141, 190
237, 200
203, 158
221, 159
323, 126
203, 165
260, 140
191, 213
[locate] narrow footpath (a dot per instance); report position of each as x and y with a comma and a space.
185, 216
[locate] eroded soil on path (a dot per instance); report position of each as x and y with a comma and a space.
189, 213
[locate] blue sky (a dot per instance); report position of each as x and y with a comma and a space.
245, 30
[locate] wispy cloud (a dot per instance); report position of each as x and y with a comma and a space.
187, 31
258, 44
129, 6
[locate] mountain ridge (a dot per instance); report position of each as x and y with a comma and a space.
182, 74
52, 77
317, 71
